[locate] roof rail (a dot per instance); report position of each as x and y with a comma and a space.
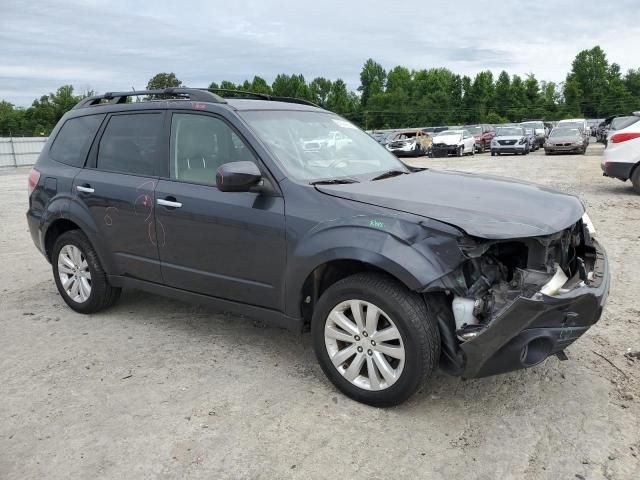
194, 94
262, 96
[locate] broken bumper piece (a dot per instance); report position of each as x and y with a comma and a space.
532, 329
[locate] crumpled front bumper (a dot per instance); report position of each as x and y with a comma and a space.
532, 329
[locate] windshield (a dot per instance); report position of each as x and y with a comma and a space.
476, 130
455, 134
311, 146
533, 125
570, 125
565, 132
509, 131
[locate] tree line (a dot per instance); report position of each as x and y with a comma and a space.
593, 88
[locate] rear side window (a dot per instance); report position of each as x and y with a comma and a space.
131, 144
74, 140
623, 122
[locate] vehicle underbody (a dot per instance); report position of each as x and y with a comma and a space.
513, 303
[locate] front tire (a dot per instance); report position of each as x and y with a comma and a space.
81, 281
375, 339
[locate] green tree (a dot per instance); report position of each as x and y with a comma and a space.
227, 85
320, 88
291, 86
589, 75
163, 80
259, 85
372, 80
501, 95
572, 98
338, 98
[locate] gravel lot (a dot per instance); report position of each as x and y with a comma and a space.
155, 388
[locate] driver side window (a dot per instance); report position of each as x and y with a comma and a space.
200, 144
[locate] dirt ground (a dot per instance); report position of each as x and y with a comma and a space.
154, 388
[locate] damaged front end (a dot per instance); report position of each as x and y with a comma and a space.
516, 302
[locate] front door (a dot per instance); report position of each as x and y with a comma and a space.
229, 245
117, 187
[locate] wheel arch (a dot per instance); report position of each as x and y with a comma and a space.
75, 216
55, 229
333, 268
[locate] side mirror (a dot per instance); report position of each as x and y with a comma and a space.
237, 177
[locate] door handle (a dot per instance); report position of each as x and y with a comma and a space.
169, 203
84, 189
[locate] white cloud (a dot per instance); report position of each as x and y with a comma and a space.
114, 45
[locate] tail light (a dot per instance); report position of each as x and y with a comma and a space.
34, 178
623, 137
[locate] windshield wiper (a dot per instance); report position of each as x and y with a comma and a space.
388, 174
334, 181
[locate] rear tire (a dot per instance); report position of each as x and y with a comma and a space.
635, 179
93, 292
397, 307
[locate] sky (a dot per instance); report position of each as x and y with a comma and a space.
116, 45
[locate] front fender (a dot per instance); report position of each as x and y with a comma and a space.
414, 252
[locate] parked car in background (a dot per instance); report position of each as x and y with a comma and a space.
581, 123
510, 140
548, 126
381, 137
533, 141
621, 158
409, 143
564, 140
617, 124
453, 142
540, 131
593, 125
482, 134
433, 130
601, 131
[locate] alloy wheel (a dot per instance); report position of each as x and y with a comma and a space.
364, 345
74, 274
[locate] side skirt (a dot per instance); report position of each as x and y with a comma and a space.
272, 317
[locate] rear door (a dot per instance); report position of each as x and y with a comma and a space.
229, 245
117, 187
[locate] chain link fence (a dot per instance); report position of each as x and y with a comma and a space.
19, 151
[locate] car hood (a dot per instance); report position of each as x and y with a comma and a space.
509, 137
447, 140
483, 206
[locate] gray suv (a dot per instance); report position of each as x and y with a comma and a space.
394, 270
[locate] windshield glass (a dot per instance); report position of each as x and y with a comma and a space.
533, 124
565, 132
311, 146
509, 131
449, 132
475, 130
570, 125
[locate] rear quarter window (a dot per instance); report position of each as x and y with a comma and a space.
73, 141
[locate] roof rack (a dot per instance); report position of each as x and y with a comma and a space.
194, 94
262, 96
